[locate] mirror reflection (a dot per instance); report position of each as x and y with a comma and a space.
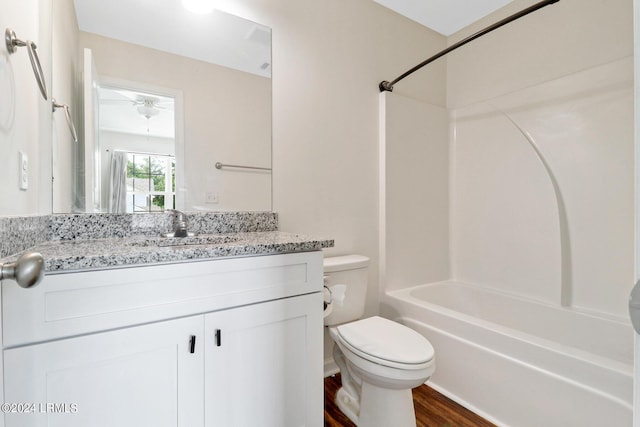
172, 91
137, 150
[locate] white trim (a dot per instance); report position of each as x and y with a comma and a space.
636, 44
382, 194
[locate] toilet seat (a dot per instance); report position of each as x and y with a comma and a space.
386, 343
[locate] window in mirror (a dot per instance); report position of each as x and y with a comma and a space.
150, 182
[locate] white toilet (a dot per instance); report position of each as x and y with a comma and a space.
380, 360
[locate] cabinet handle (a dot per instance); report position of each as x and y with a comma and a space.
218, 337
192, 344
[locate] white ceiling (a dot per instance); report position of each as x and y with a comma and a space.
444, 16
218, 37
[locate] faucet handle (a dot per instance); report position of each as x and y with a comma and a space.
179, 223
180, 216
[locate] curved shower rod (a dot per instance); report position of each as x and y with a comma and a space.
388, 86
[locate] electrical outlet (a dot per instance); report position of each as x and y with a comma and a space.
211, 197
23, 173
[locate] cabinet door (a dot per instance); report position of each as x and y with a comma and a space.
263, 364
139, 376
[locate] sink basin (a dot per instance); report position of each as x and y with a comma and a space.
185, 241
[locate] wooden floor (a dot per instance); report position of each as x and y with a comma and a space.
432, 409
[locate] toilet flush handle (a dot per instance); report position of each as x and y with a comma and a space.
327, 297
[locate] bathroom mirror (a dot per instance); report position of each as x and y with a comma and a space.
126, 61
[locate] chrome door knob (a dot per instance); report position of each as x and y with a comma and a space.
634, 307
28, 270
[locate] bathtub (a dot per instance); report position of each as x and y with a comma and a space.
520, 362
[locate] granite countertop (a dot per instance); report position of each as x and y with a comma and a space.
72, 255
71, 242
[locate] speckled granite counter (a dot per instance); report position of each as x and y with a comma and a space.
72, 255
98, 241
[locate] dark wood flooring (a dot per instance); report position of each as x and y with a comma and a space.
432, 409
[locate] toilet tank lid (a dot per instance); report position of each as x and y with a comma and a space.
345, 262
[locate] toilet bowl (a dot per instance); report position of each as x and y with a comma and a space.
380, 361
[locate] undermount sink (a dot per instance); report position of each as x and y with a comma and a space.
185, 241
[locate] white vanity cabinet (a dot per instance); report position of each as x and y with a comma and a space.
138, 376
260, 355
230, 342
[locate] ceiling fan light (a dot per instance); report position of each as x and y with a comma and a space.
147, 111
201, 7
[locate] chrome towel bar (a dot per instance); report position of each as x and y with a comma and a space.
224, 165
13, 43
67, 114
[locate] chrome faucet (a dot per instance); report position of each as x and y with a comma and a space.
179, 224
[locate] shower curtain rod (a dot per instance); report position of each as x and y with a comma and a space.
388, 86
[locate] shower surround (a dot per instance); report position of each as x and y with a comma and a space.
526, 200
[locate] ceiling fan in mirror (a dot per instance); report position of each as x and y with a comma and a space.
146, 105
134, 111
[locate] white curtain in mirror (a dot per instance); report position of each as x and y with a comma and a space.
118, 182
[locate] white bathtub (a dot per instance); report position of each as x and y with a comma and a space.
519, 362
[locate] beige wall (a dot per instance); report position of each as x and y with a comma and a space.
328, 58
25, 117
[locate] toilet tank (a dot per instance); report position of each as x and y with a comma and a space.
346, 277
